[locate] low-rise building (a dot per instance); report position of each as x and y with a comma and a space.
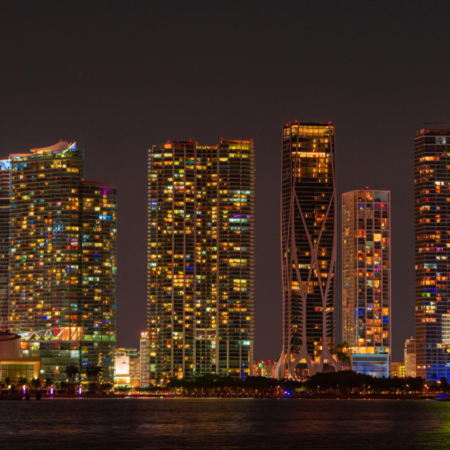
398, 369
263, 369
127, 364
13, 365
374, 364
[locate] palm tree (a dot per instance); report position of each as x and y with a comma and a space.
48, 382
92, 372
71, 371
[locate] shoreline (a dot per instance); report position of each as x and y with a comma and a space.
267, 397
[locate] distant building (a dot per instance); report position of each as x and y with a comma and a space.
397, 370
62, 247
122, 375
366, 274
432, 253
144, 360
135, 371
410, 358
201, 268
263, 369
127, 367
308, 253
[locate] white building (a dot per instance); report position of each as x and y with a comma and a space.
127, 366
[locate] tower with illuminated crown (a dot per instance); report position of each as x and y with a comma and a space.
308, 250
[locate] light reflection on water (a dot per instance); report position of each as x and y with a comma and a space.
224, 423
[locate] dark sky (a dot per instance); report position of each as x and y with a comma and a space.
120, 76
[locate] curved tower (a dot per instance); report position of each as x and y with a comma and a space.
308, 249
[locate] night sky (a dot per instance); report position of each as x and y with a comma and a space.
121, 76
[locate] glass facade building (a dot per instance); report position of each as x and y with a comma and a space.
5, 224
201, 239
366, 271
62, 269
375, 365
308, 249
432, 253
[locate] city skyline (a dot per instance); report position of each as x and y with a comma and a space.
115, 86
272, 179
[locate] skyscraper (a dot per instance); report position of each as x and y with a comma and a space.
201, 259
62, 290
308, 249
432, 253
366, 279
5, 228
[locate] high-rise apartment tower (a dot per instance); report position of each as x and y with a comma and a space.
62, 268
366, 278
5, 235
432, 253
308, 249
201, 243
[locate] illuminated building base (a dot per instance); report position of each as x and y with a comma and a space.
286, 366
376, 365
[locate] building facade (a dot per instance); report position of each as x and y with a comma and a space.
62, 269
263, 369
308, 249
5, 233
144, 359
397, 369
366, 272
410, 358
432, 253
374, 364
201, 259
12, 363
127, 367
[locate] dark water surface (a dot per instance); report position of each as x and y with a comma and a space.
224, 423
